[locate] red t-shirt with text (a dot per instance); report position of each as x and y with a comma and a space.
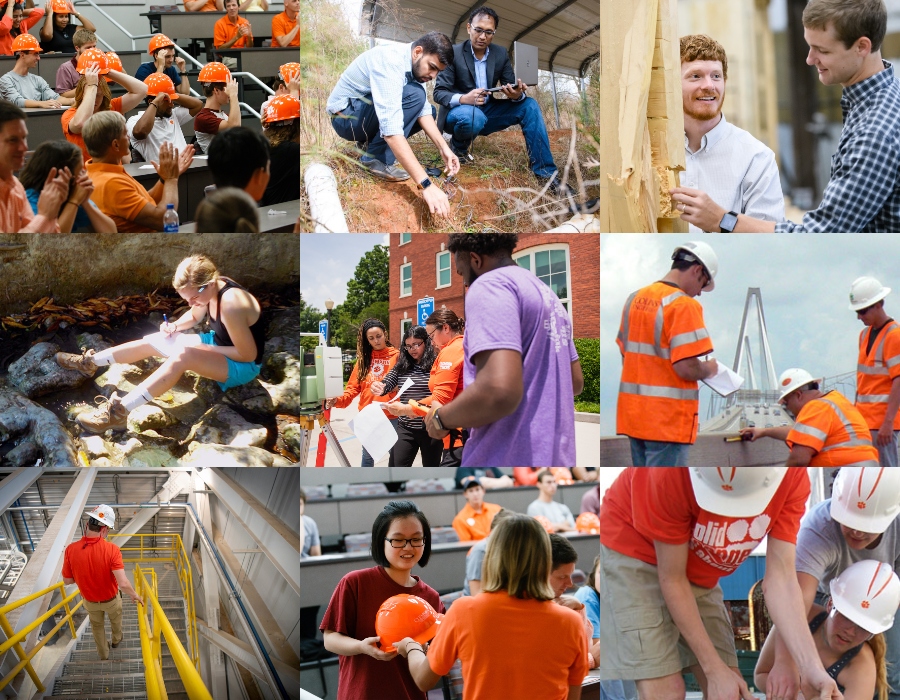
645, 505
351, 611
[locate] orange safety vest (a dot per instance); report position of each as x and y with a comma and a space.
838, 433
660, 325
875, 373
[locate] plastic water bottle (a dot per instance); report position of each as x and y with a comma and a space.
170, 219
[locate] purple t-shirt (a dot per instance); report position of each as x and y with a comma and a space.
511, 309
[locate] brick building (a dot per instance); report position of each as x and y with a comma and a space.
421, 266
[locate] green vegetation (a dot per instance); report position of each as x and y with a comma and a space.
587, 407
589, 355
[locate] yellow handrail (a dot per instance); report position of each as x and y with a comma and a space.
151, 646
13, 640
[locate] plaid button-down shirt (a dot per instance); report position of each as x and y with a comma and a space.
863, 194
378, 74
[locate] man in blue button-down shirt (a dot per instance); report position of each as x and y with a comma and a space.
380, 101
468, 109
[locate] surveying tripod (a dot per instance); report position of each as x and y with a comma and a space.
307, 425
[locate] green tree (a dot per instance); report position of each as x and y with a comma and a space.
309, 323
370, 282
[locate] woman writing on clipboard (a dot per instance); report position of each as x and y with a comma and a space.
230, 353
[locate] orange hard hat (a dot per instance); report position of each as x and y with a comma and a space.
113, 62
92, 57
159, 82
59, 7
159, 41
25, 42
404, 615
214, 72
283, 108
588, 523
288, 70
545, 523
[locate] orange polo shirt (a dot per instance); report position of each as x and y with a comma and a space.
115, 105
281, 25
225, 29
119, 195
470, 525
91, 562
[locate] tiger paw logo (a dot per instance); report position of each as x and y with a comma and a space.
865, 604
727, 487
861, 505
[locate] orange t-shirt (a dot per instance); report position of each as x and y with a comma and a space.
281, 25
471, 526
647, 505
115, 105
210, 6
493, 668
91, 562
225, 29
118, 195
527, 476
446, 380
382, 362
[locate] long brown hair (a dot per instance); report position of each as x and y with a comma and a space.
102, 87
439, 317
879, 647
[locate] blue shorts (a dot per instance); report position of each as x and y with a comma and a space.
238, 372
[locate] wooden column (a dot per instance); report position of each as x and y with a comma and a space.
642, 141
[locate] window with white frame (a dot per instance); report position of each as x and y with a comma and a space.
442, 268
405, 238
550, 264
406, 280
405, 323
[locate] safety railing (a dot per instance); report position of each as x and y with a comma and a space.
173, 552
152, 633
14, 640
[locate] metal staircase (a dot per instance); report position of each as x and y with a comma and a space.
123, 675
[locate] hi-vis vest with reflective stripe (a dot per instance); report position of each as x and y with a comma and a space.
661, 325
833, 427
875, 373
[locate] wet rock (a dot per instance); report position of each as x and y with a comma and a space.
91, 341
224, 457
222, 425
95, 446
130, 445
148, 417
289, 433
36, 372
24, 419
284, 332
25, 454
150, 458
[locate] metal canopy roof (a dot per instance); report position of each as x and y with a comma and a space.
565, 31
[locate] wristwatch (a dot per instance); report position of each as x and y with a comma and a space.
728, 222
425, 184
437, 420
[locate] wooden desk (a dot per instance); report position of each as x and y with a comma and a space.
264, 61
283, 223
199, 25
190, 184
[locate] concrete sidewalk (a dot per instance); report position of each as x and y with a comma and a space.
587, 441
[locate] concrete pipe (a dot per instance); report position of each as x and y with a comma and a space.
324, 203
580, 223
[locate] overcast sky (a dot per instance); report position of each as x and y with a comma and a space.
805, 284
327, 263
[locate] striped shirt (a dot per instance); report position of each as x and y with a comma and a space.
863, 194
737, 171
379, 75
419, 390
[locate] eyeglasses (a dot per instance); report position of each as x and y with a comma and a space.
414, 346
437, 328
487, 32
863, 312
401, 543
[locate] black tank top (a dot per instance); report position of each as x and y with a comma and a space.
838, 665
220, 334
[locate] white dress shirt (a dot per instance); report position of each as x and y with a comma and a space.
737, 171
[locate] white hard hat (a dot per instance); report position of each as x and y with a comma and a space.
794, 378
867, 593
866, 498
866, 291
698, 251
741, 492
104, 514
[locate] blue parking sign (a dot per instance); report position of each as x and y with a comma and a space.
323, 331
424, 309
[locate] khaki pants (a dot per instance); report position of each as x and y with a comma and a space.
113, 609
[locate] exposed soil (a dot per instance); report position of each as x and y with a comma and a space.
484, 196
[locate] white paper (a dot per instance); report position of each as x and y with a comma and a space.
374, 430
147, 166
725, 382
166, 345
408, 383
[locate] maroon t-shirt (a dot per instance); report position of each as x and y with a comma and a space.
351, 611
